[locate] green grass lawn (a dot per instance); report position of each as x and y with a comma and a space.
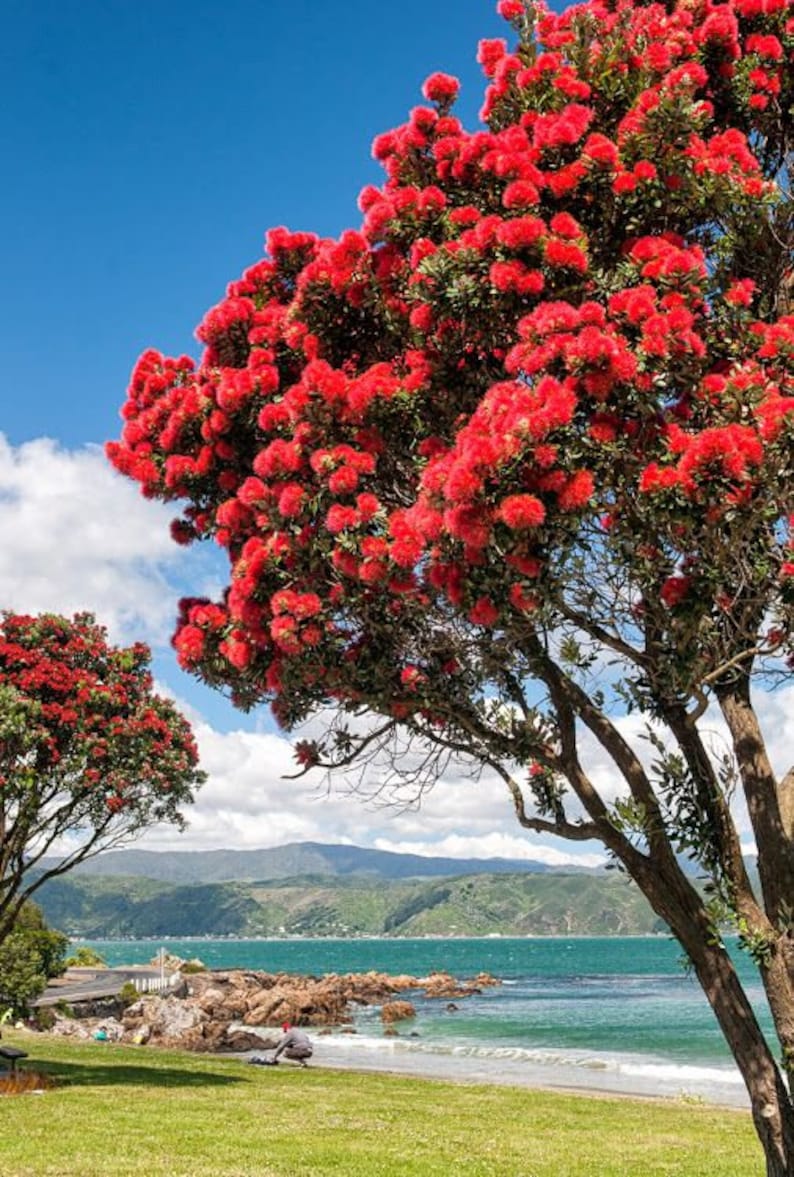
125, 1111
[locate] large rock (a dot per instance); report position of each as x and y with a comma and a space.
397, 1011
485, 980
168, 1018
302, 1001
223, 1003
442, 984
241, 1040
208, 1036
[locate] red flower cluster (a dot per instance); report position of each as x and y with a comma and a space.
536, 324
81, 716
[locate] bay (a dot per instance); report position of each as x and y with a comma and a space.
616, 1014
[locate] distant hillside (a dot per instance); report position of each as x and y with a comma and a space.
295, 859
464, 905
121, 907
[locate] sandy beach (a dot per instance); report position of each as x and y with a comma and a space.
588, 1075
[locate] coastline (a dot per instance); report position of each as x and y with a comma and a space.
612, 1016
586, 1075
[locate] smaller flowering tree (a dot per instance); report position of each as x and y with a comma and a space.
88, 753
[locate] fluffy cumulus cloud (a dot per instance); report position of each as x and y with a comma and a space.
252, 799
74, 536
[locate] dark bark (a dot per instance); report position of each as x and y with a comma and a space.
674, 898
765, 802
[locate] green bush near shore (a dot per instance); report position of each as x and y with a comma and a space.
137, 1112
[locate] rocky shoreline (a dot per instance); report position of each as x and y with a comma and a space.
241, 1010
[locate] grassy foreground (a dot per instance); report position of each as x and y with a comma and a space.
125, 1111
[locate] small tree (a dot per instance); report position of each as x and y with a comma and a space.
86, 958
515, 460
89, 755
30, 955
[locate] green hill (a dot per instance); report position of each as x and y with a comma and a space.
466, 905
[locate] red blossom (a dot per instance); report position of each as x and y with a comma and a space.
412, 678
675, 590
441, 88
522, 511
740, 293
577, 491
483, 612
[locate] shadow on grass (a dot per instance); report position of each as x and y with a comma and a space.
112, 1074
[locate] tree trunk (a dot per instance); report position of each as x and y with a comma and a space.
772, 1110
771, 1105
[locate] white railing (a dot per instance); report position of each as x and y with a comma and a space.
156, 984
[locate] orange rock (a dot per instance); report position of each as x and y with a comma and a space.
397, 1011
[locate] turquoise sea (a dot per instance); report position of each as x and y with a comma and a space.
612, 1013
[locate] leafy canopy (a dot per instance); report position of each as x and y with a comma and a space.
29, 956
89, 754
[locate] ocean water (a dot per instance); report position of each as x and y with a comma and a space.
616, 1014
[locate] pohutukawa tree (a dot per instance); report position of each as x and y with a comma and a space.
515, 458
89, 755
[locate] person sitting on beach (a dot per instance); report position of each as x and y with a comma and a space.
294, 1045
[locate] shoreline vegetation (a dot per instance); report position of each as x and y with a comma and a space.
183, 1114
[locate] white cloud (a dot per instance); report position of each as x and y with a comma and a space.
75, 536
776, 715
496, 845
248, 802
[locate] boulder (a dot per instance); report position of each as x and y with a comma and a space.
442, 984
71, 1027
168, 1018
208, 1036
484, 980
240, 1040
273, 1007
211, 998
397, 1011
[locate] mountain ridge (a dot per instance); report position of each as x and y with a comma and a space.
300, 859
